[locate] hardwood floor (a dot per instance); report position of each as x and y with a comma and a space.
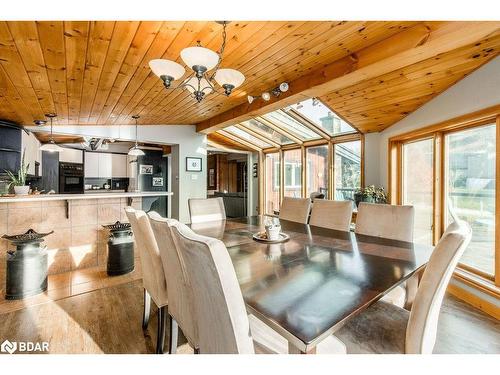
108, 320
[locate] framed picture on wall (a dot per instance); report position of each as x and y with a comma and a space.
193, 164
157, 181
145, 169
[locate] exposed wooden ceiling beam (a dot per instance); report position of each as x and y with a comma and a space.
413, 45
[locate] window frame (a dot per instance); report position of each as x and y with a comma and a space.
438, 132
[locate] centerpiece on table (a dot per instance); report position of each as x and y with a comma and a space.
370, 194
19, 181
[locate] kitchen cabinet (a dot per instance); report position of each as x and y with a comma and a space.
91, 164
70, 155
32, 153
105, 165
118, 166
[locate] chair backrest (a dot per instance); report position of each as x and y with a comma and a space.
222, 320
153, 277
210, 209
180, 293
422, 325
295, 209
385, 220
331, 214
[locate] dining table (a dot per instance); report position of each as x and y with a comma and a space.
309, 286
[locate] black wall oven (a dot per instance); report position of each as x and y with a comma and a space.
71, 178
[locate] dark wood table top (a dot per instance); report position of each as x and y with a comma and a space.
308, 287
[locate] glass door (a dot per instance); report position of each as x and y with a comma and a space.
417, 184
470, 191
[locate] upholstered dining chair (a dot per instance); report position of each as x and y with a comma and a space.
219, 310
335, 215
386, 328
396, 223
153, 277
211, 209
180, 294
295, 209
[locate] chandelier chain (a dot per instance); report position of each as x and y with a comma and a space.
221, 51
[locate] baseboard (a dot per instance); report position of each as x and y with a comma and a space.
474, 300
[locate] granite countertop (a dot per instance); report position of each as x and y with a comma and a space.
56, 197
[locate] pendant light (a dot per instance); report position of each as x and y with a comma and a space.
51, 146
135, 151
199, 61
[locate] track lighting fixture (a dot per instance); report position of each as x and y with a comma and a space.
266, 95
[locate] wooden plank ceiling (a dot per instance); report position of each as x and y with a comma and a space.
96, 72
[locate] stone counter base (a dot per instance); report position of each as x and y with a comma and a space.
78, 242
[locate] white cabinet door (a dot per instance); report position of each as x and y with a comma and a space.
70, 155
91, 164
118, 166
105, 165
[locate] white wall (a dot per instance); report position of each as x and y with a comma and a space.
479, 90
186, 142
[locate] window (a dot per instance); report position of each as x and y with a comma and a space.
322, 116
418, 183
288, 123
293, 173
449, 170
347, 168
247, 137
266, 131
317, 170
470, 191
272, 183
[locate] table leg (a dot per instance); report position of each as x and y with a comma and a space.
411, 291
292, 349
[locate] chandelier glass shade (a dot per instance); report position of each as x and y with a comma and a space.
51, 145
205, 73
136, 151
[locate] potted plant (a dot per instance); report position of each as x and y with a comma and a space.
19, 181
370, 194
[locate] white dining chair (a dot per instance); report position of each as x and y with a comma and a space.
396, 223
210, 209
329, 214
153, 277
223, 324
180, 295
386, 328
295, 209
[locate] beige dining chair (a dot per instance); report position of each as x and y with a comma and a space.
395, 223
329, 214
180, 295
153, 277
295, 209
219, 310
386, 328
210, 209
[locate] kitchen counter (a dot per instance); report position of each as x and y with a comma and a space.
79, 239
96, 195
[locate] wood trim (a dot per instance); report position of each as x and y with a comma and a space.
331, 174
261, 191
362, 161
485, 285
282, 176
303, 156
475, 301
477, 118
438, 208
497, 204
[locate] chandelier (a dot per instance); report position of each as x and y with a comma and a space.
201, 61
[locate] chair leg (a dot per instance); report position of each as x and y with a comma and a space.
411, 291
174, 334
147, 309
160, 341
